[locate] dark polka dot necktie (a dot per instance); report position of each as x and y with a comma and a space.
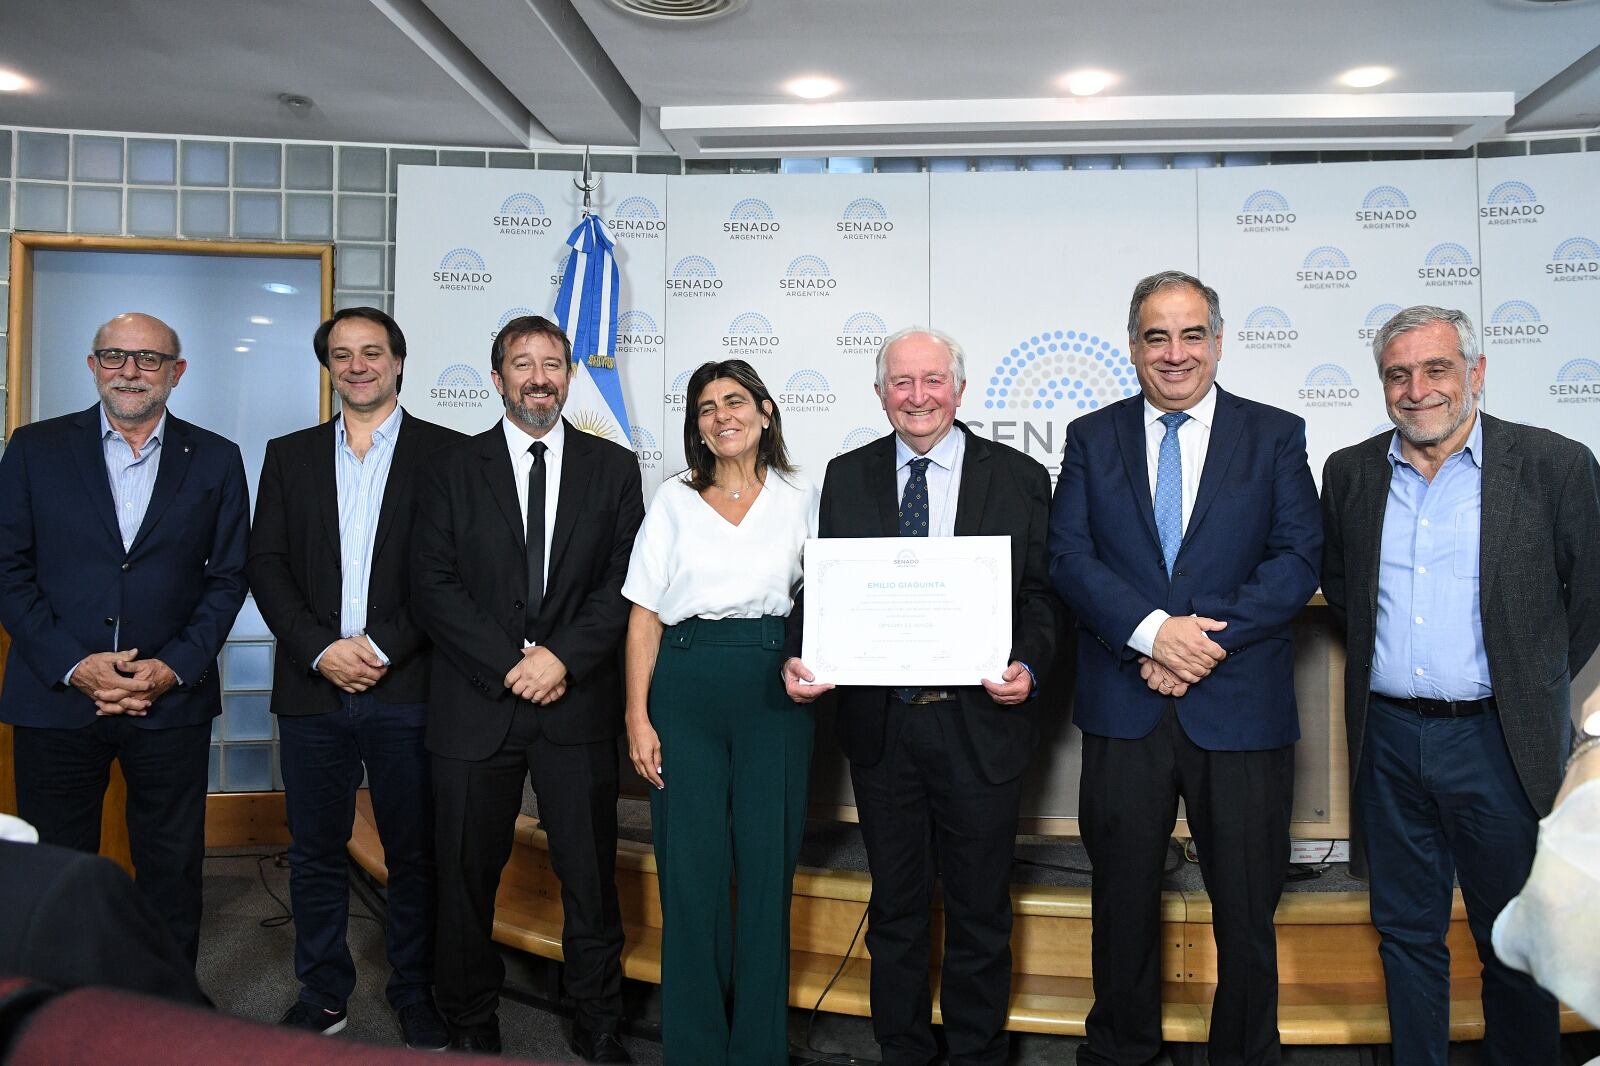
914, 501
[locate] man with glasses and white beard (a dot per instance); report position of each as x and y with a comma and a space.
123, 535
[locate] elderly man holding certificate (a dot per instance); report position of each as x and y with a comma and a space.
936, 748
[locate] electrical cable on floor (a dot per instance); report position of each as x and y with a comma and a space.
818, 1056
280, 861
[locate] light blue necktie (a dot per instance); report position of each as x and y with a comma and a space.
1169, 489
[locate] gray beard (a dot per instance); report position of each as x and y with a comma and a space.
532, 417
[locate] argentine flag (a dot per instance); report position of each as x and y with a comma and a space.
586, 307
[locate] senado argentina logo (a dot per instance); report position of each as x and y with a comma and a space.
646, 447
1447, 263
505, 319
751, 220
675, 398
1575, 259
806, 391
1265, 211
459, 385
1385, 207
1268, 328
1060, 369
1329, 385
462, 270
750, 333
1515, 322
857, 437
1578, 381
522, 214
1375, 320
558, 273
637, 216
1511, 203
637, 332
1325, 267
693, 275
807, 275
862, 334
864, 219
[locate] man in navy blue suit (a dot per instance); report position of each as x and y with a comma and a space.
123, 534
1185, 536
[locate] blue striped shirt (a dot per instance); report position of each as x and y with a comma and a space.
1430, 629
361, 483
133, 478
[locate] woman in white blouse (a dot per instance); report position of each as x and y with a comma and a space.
712, 578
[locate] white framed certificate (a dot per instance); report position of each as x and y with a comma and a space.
929, 612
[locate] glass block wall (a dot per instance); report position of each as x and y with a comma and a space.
157, 186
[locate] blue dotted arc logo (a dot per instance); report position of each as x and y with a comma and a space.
862, 334
675, 398
1578, 381
693, 276
1385, 207
806, 392
1448, 264
522, 214
1328, 385
807, 275
1060, 369
750, 334
460, 386
1267, 328
637, 331
646, 448
1511, 203
1374, 321
1265, 211
857, 437
505, 319
751, 220
635, 218
1325, 267
1574, 259
864, 219
462, 270
1515, 322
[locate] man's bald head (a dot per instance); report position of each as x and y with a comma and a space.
137, 320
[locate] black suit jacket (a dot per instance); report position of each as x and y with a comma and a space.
67, 584
1538, 583
296, 568
470, 577
75, 919
1003, 493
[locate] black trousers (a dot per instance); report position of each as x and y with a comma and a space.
927, 810
476, 806
62, 776
1237, 804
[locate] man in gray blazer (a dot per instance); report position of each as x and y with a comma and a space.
1461, 559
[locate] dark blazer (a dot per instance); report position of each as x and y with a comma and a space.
65, 580
1248, 558
1539, 583
1003, 493
470, 577
296, 568
75, 919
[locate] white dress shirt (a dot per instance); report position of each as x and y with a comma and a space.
690, 562
518, 441
1194, 437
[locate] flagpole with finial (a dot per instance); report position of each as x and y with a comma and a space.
589, 183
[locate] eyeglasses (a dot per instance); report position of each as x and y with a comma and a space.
144, 359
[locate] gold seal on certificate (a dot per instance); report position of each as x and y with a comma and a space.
907, 611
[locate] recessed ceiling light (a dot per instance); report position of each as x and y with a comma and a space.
813, 87
1086, 82
241, 348
280, 288
12, 82
260, 320
1366, 77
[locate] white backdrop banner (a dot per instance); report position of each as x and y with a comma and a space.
1540, 220
476, 248
1311, 260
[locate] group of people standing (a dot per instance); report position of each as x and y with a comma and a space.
457, 615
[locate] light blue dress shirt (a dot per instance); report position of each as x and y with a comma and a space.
1430, 631
133, 478
361, 482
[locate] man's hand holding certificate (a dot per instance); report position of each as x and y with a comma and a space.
923, 612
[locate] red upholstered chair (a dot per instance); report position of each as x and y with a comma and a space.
98, 1026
